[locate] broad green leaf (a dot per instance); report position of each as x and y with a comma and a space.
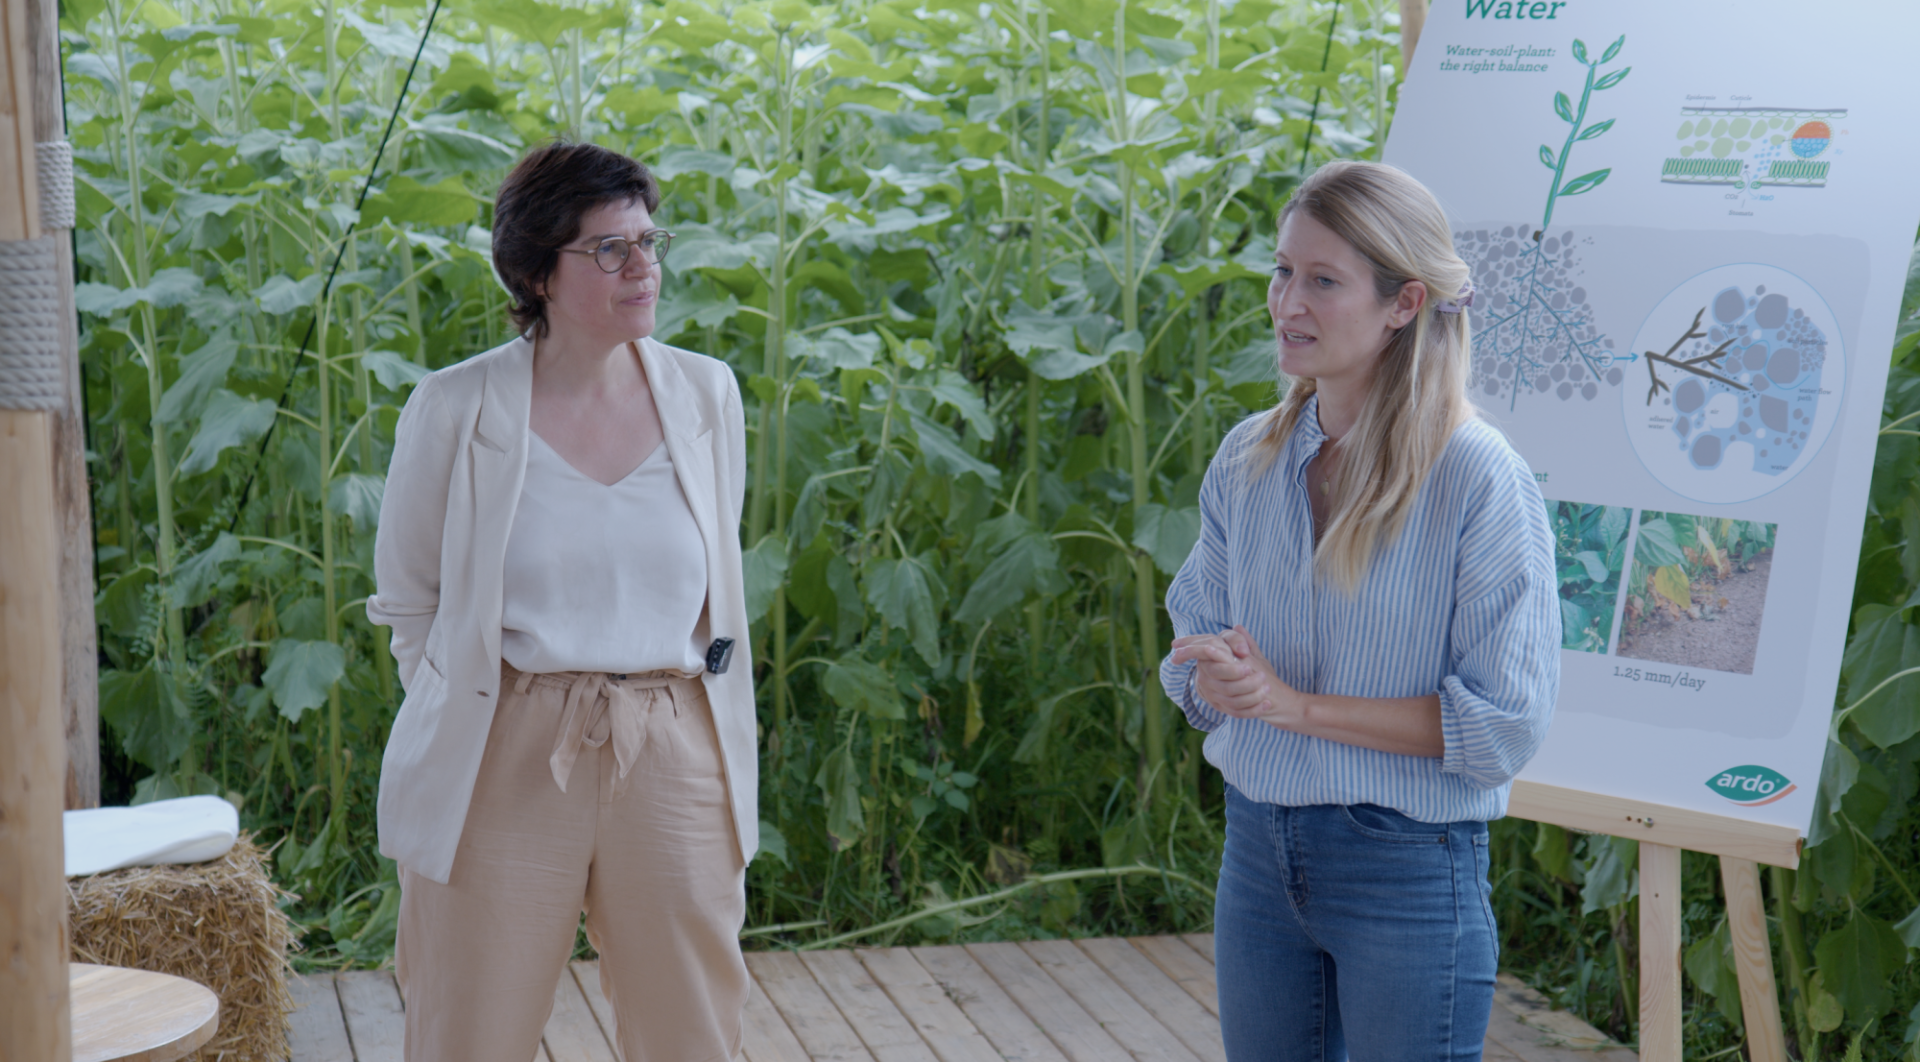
357, 495
1658, 546
839, 783
1883, 645
168, 288
863, 686
765, 569
955, 390
145, 709
1553, 852
1167, 535
1048, 344
300, 673
773, 843
1595, 565
1029, 562
1909, 928
1234, 86
407, 201
904, 593
1838, 773
283, 294
944, 455
1709, 962
194, 579
122, 606
1608, 873
392, 370
1858, 962
200, 372
228, 422
1573, 621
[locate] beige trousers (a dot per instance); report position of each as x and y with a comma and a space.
557, 827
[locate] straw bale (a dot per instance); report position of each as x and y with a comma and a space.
218, 923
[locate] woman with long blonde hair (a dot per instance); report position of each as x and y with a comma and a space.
1370, 635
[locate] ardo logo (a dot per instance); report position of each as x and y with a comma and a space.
1751, 785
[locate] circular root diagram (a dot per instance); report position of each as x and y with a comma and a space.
1735, 383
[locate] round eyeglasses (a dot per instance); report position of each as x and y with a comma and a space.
611, 254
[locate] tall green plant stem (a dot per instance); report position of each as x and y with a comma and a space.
1145, 605
1793, 941
776, 367
1037, 298
165, 546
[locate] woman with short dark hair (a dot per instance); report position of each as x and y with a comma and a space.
557, 557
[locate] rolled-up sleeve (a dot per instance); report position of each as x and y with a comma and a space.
1197, 600
413, 516
1497, 702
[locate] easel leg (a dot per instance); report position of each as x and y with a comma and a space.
1753, 958
1659, 953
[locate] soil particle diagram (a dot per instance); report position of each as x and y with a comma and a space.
1534, 326
1743, 372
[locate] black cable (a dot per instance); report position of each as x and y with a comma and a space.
1325, 53
299, 361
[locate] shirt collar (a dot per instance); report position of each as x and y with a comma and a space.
1307, 434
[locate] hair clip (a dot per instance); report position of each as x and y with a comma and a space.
1455, 305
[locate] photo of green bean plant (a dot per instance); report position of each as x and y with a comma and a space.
991, 277
1589, 553
1698, 591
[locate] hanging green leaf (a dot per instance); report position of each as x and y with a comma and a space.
907, 594
299, 674
863, 686
1857, 962
229, 421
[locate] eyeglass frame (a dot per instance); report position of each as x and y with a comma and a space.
663, 238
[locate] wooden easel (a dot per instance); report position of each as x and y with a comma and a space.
1664, 832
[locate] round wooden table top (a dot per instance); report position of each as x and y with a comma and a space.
122, 1015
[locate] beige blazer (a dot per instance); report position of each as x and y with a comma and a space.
459, 459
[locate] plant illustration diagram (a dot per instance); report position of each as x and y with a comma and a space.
1536, 329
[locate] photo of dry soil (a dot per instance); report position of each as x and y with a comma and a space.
1714, 622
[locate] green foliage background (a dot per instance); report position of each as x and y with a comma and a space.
991, 276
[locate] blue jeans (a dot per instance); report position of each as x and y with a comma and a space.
1355, 929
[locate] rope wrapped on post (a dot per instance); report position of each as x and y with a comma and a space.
30, 373
53, 163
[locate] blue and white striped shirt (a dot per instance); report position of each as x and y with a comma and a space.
1464, 603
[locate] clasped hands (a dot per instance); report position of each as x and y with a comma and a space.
1232, 675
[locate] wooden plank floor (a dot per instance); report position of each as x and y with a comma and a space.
1147, 999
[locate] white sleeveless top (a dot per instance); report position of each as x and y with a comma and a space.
602, 578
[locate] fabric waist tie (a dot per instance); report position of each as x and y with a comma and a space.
598, 705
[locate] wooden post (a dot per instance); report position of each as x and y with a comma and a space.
1753, 959
1413, 18
33, 895
34, 1021
1659, 953
79, 648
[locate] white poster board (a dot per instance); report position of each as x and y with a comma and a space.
1698, 339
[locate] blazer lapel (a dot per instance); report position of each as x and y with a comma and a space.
688, 433
499, 455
